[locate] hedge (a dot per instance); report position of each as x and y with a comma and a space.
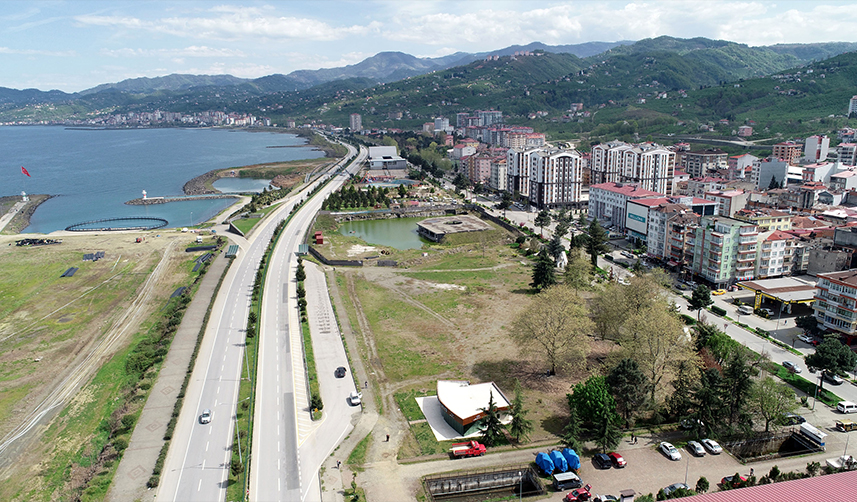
717, 310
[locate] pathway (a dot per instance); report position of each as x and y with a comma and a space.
6, 218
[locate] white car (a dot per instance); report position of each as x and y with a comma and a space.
356, 398
789, 365
205, 417
805, 338
696, 448
712, 446
670, 451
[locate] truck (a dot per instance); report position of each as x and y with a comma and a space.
467, 449
838, 463
845, 425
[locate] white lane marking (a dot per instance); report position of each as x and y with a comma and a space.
278, 445
279, 484
203, 466
218, 390
199, 485
206, 445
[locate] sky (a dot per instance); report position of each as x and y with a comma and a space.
75, 45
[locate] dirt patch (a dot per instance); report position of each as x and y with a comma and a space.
357, 250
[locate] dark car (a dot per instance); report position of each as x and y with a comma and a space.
340, 372
602, 461
832, 377
793, 419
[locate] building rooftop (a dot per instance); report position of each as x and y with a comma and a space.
625, 189
848, 277
832, 487
785, 289
779, 235
465, 400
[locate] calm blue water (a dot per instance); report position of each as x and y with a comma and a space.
93, 172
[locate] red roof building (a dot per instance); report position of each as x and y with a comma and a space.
840, 487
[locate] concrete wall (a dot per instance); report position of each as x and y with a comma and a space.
823, 260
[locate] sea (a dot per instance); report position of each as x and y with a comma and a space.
92, 172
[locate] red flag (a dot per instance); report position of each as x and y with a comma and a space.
25, 172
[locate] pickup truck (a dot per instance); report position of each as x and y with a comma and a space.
467, 449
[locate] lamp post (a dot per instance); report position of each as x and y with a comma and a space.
520, 485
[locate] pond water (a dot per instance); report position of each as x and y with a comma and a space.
240, 185
399, 233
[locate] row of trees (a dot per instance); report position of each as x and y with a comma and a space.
350, 197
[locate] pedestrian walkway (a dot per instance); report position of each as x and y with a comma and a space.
6, 218
138, 461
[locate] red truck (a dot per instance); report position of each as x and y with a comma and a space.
467, 449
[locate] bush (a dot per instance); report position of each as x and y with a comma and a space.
762, 313
316, 403
128, 422
153, 481
718, 310
120, 444
688, 320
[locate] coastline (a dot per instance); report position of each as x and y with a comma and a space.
22, 220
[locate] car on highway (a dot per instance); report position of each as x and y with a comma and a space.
205, 417
696, 449
355, 398
832, 377
791, 366
617, 460
670, 451
673, 487
712, 446
602, 461
718, 292
733, 481
340, 372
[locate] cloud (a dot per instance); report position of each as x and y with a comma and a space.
37, 52
192, 51
234, 23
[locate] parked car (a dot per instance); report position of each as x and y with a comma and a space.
793, 419
617, 460
602, 461
718, 292
605, 498
682, 286
712, 446
733, 481
791, 366
832, 377
670, 451
355, 397
579, 494
340, 372
805, 338
769, 312
205, 417
696, 449
673, 487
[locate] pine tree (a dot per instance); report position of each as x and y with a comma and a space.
491, 427
596, 242
544, 273
520, 427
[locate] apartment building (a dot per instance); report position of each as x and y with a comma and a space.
518, 168
775, 254
816, 148
649, 165
556, 178
698, 187
728, 202
724, 250
700, 162
680, 232
355, 122
764, 170
608, 201
846, 153
788, 151
844, 181
835, 304
499, 177
478, 167
766, 219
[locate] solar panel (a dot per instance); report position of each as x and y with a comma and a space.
196, 267
70, 272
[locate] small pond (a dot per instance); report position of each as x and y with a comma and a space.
399, 233
240, 185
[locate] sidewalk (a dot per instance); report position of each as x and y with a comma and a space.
135, 468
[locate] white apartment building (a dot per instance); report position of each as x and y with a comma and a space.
773, 258
499, 178
556, 178
649, 165
816, 148
852, 107
847, 153
518, 167
355, 122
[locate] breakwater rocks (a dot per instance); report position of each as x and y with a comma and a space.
164, 200
202, 184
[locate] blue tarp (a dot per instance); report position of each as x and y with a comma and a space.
572, 459
545, 463
559, 461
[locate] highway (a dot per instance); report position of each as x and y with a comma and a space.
197, 464
280, 468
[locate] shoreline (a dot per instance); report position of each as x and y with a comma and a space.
22, 220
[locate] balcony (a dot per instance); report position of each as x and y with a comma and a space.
746, 250
749, 258
748, 231
743, 268
746, 240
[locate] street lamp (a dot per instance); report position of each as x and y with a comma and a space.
520, 485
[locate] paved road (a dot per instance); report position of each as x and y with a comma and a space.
281, 469
6, 218
197, 464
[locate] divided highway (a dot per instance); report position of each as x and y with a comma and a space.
197, 465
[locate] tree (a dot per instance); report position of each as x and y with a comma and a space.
571, 432
680, 402
544, 271
490, 426
555, 247
578, 272
300, 273
738, 382
505, 203
606, 433
596, 242
702, 485
708, 401
629, 386
543, 219
832, 356
555, 325
700, 299
593, 401
771, 401
809, 324
519, 427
